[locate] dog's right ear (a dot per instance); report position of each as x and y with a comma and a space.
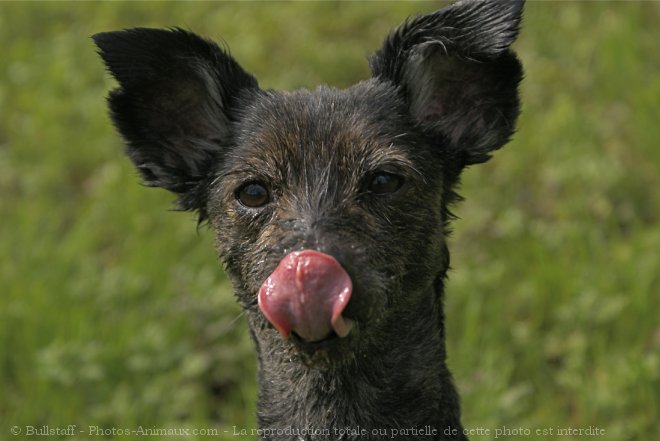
174, 104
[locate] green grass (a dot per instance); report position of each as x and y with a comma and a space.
115, 313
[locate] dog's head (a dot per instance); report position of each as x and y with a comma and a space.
329, 206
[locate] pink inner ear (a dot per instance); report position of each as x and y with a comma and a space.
306, 294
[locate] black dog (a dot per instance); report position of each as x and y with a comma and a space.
330, 206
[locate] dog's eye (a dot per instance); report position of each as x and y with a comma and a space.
253, 195
385, 183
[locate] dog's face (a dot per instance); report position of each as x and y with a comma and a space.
329, 206
341, 172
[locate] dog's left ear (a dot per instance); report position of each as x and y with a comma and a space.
458, 75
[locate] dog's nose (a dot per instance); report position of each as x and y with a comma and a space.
306, 294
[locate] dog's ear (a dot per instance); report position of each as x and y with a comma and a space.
174, 105
458, 75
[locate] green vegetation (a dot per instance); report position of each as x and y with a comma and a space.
115, 313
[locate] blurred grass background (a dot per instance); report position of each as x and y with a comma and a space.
114, 312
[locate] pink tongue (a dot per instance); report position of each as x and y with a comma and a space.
306, 294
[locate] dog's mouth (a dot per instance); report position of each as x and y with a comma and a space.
328, 353
312, 346
305, 298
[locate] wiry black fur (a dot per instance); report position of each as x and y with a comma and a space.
443, 96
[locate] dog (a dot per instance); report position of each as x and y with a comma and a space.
330, 207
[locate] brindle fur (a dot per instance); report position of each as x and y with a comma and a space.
443, 96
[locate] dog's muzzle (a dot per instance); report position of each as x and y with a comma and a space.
307, 294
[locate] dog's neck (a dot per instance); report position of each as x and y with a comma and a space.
376, 395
